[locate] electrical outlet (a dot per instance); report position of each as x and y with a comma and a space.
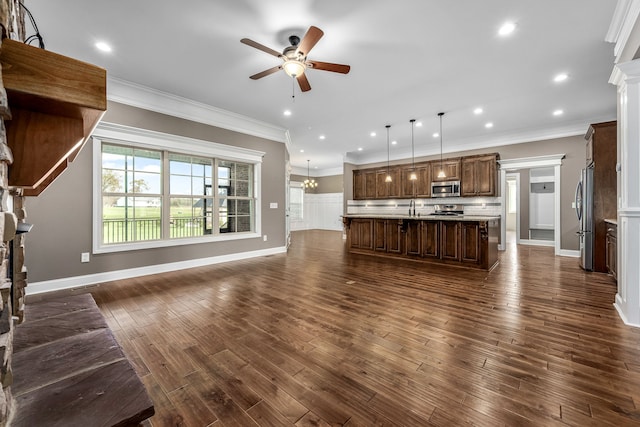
264, 237
573, 205
84, 257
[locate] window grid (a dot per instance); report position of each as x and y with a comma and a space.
135, 207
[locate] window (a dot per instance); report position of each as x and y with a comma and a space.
296, 201
161, 190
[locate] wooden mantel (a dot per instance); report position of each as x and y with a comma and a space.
55, 104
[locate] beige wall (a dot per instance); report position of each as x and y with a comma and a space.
573, 147
326, 184
62, 214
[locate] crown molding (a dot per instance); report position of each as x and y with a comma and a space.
622, 26
147, 98
481, 143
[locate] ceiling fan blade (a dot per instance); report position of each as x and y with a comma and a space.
329, 66
261, 47
309, 40
266, 72
303, 82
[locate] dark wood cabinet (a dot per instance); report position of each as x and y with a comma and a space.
479, 175
364, 184
612, 249
380, 235
388, 190
451, 168
361, 234
602, 152
395, 236
421, 187
430, 239
450, 240
469, 243
388, 236
414, 237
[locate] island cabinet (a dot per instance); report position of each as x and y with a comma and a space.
361, 234
388, 236
479, 175
462, 242
451, 168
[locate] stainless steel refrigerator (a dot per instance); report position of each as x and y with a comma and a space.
584, 211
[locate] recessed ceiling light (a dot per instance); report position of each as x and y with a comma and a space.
322, 137
558, 113
418, 124
103, 46
560, 77
302, 151
478, 111
287, 112
394, 142
359, 148
507, 28
372, 134
436, 134
488, 125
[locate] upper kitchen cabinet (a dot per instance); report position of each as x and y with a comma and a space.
364, 184
421, 186
451, 168
55, 104
479, 175
388, 190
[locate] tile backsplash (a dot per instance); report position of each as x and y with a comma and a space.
471, 205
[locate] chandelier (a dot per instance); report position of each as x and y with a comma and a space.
309, 183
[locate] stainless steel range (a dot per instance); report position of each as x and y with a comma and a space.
448, 210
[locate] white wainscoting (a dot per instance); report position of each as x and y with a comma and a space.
321, 212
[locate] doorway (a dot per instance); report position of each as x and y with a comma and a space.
552, 164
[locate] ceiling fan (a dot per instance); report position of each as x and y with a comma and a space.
295, 58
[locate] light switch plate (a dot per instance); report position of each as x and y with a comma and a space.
273, 205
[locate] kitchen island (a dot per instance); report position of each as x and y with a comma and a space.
464, 240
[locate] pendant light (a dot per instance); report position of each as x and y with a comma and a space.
413, 175
309, 183
388, 178
441, 174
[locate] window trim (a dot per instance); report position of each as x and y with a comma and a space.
142, 138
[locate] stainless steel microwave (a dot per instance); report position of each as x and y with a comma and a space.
445, 189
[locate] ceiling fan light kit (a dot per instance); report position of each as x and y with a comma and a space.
295, 58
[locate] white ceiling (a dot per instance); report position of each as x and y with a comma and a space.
409, 59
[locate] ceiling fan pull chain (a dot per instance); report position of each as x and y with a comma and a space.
293, 89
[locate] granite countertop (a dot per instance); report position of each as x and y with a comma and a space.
611, 221
426, 217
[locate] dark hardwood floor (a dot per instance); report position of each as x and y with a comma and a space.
319, 337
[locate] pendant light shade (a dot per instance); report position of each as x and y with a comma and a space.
309, 183
413, 176
441, 174
388, 178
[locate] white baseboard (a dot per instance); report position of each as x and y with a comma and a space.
569, 253
617, 306
537, 242
108, 276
